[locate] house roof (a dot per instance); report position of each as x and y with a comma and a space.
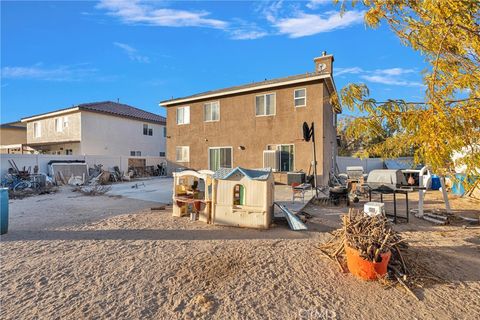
300, 78
254, 174
107, 107
18, 125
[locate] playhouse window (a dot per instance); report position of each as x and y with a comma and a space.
239, 195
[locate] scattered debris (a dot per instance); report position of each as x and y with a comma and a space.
93, 190
157, 208
136, 185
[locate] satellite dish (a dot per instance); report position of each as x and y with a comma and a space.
321, 67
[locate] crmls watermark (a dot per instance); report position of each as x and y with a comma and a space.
315, 314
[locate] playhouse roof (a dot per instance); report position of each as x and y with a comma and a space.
254, 174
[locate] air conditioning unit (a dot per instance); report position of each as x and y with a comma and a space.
271, 159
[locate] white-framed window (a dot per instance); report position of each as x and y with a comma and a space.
211, 111
220, 157
161, 153
287, 155
65, 122
182, 154
58, 125
183, 115
300, 97
37, 129
147, 131
265, 104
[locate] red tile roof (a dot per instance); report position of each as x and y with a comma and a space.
114, 109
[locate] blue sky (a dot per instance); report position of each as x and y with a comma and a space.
57, 54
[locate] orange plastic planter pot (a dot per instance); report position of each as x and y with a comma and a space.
365, 269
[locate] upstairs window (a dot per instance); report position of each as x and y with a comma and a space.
211, 111
265, 104
37, 129
65, 122
58, 125
164, 132
147, 131
183, 115
182, 154
300, 97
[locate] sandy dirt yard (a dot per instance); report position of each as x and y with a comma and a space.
69, 256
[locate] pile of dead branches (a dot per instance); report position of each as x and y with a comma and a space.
372, 236
93, 190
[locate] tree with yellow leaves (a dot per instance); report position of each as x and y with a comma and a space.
447, 122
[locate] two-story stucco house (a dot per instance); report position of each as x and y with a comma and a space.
13, 137
99, 128
257, 125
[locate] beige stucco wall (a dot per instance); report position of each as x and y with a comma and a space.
10, 136
108, 135
48, 132
239, 126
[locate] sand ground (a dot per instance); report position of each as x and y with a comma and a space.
75, 257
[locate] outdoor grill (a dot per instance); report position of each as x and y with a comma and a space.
392, 182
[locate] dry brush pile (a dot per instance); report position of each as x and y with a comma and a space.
371, 237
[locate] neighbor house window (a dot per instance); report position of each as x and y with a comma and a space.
211, 111
300, 97
161, 154
182, 154
287, 152
37, 129
183, 115
139, 153
68, 151
135, 153
147, 131
164, 132
239, 195
65, 122
58, 125
219, 158
265, 104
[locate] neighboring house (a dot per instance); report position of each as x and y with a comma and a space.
98, 128
13, 138
257, 125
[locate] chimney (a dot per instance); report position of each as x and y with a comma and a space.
324, 63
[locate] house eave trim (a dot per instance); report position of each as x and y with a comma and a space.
254, 88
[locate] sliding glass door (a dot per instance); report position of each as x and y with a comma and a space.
219, 158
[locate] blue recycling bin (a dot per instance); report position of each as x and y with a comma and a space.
3, 210
435, 182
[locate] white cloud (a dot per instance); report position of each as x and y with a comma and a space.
388, 80
394, 71
303, 24
139, 12
389, 76
314, 4
353, 70
245, 34
132, 53
37, 72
